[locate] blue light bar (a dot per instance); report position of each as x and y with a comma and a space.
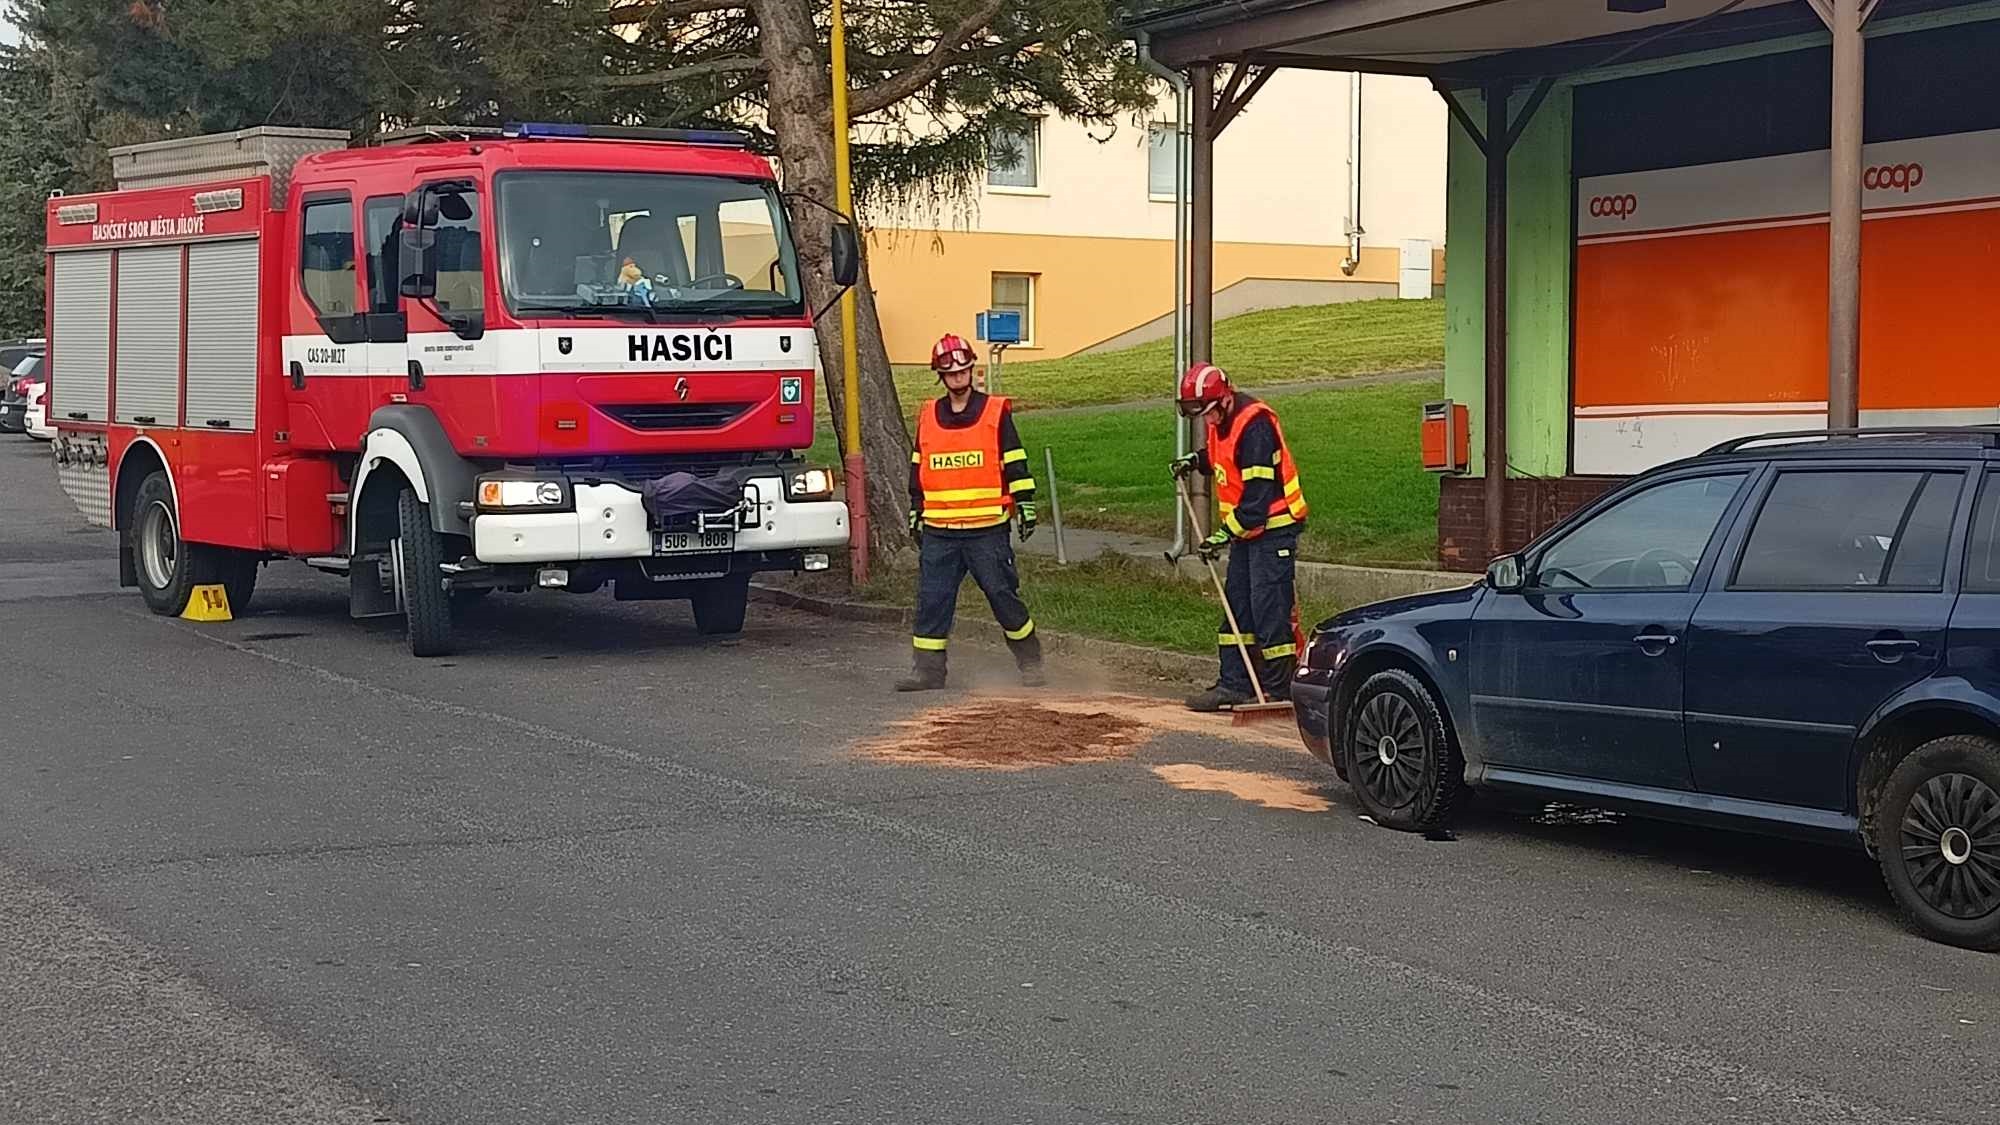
724, 138
546, 129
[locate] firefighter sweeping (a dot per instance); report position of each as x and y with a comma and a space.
969, 477
1262, 513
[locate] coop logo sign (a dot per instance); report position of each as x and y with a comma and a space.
1614, 206
1893, 177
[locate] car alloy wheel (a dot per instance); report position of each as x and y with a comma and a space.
1951, 844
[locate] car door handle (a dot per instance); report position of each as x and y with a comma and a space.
1655, 639
416, 375
298, 376
1891, 649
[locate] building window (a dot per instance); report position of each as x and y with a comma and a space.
1015, 292
1160, 161
1014, 156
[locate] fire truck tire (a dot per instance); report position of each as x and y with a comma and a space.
420, 557
719, 605
169, 568
234, 571
164, 563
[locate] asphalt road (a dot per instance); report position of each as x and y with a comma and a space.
596, 869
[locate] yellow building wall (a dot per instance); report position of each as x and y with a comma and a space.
1087, 290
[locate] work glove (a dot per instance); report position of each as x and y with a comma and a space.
1184, 467
1212, 547
916, 526
1027, 510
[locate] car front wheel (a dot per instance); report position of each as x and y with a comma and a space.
1400, 758
1937, 835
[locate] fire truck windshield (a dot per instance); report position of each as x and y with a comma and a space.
590, 243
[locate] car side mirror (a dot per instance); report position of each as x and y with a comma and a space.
846, 255
1505, 574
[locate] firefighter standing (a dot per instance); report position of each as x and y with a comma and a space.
969, 476
1262, 513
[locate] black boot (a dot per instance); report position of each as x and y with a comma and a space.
1277, 678
1028, 658
927, 674
1221, 697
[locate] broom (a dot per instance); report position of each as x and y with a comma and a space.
1243, 714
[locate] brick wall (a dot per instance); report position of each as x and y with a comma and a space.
1533, 505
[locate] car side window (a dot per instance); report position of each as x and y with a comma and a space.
1651, 540
1982, 550
1851, 529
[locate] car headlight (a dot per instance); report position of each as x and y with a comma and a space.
812, 484
504, 493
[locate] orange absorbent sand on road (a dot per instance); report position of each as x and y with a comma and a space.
1266, 789
1003, 733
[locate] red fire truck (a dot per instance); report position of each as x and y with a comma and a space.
449, 362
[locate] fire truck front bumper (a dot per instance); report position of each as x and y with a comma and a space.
607, 521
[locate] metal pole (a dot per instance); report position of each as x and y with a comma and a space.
1201, 250
1354, 228
1055, 506
850, 356
1182, 154
1843, 297
1496, 318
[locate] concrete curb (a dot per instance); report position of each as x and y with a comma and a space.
1112, 656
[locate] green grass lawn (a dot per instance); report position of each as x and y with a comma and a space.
1358, 460
1356, 446
1275, 346
1137, 601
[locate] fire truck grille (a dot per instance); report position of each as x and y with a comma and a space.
677, 415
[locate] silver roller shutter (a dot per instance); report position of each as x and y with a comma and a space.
80, 354
222, 335
149, 335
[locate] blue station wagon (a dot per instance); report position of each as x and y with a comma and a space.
1796, 634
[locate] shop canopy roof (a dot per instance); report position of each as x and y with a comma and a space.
1471, 41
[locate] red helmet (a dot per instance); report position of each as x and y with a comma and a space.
952, 354
1203, 387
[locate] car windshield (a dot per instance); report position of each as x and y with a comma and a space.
30, 367
598, 242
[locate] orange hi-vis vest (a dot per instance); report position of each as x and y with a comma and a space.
960, 471
1287, 508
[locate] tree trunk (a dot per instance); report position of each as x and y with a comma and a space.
801, 97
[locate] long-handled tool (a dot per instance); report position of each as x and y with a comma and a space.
1243, 714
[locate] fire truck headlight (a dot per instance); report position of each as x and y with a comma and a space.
812, 484
503, 493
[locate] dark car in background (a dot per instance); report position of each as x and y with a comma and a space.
14, 386
1796, 634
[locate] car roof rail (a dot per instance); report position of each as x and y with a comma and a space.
1989, 435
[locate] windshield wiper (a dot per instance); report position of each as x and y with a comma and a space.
580, 310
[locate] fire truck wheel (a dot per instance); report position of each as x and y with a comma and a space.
719, 605
165, 564
419, 558
236, 571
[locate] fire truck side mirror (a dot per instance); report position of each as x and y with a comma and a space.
417, 252
846, 255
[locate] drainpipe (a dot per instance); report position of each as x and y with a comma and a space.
1182, 155
1354, 229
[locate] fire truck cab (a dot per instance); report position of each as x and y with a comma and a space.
449, 362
